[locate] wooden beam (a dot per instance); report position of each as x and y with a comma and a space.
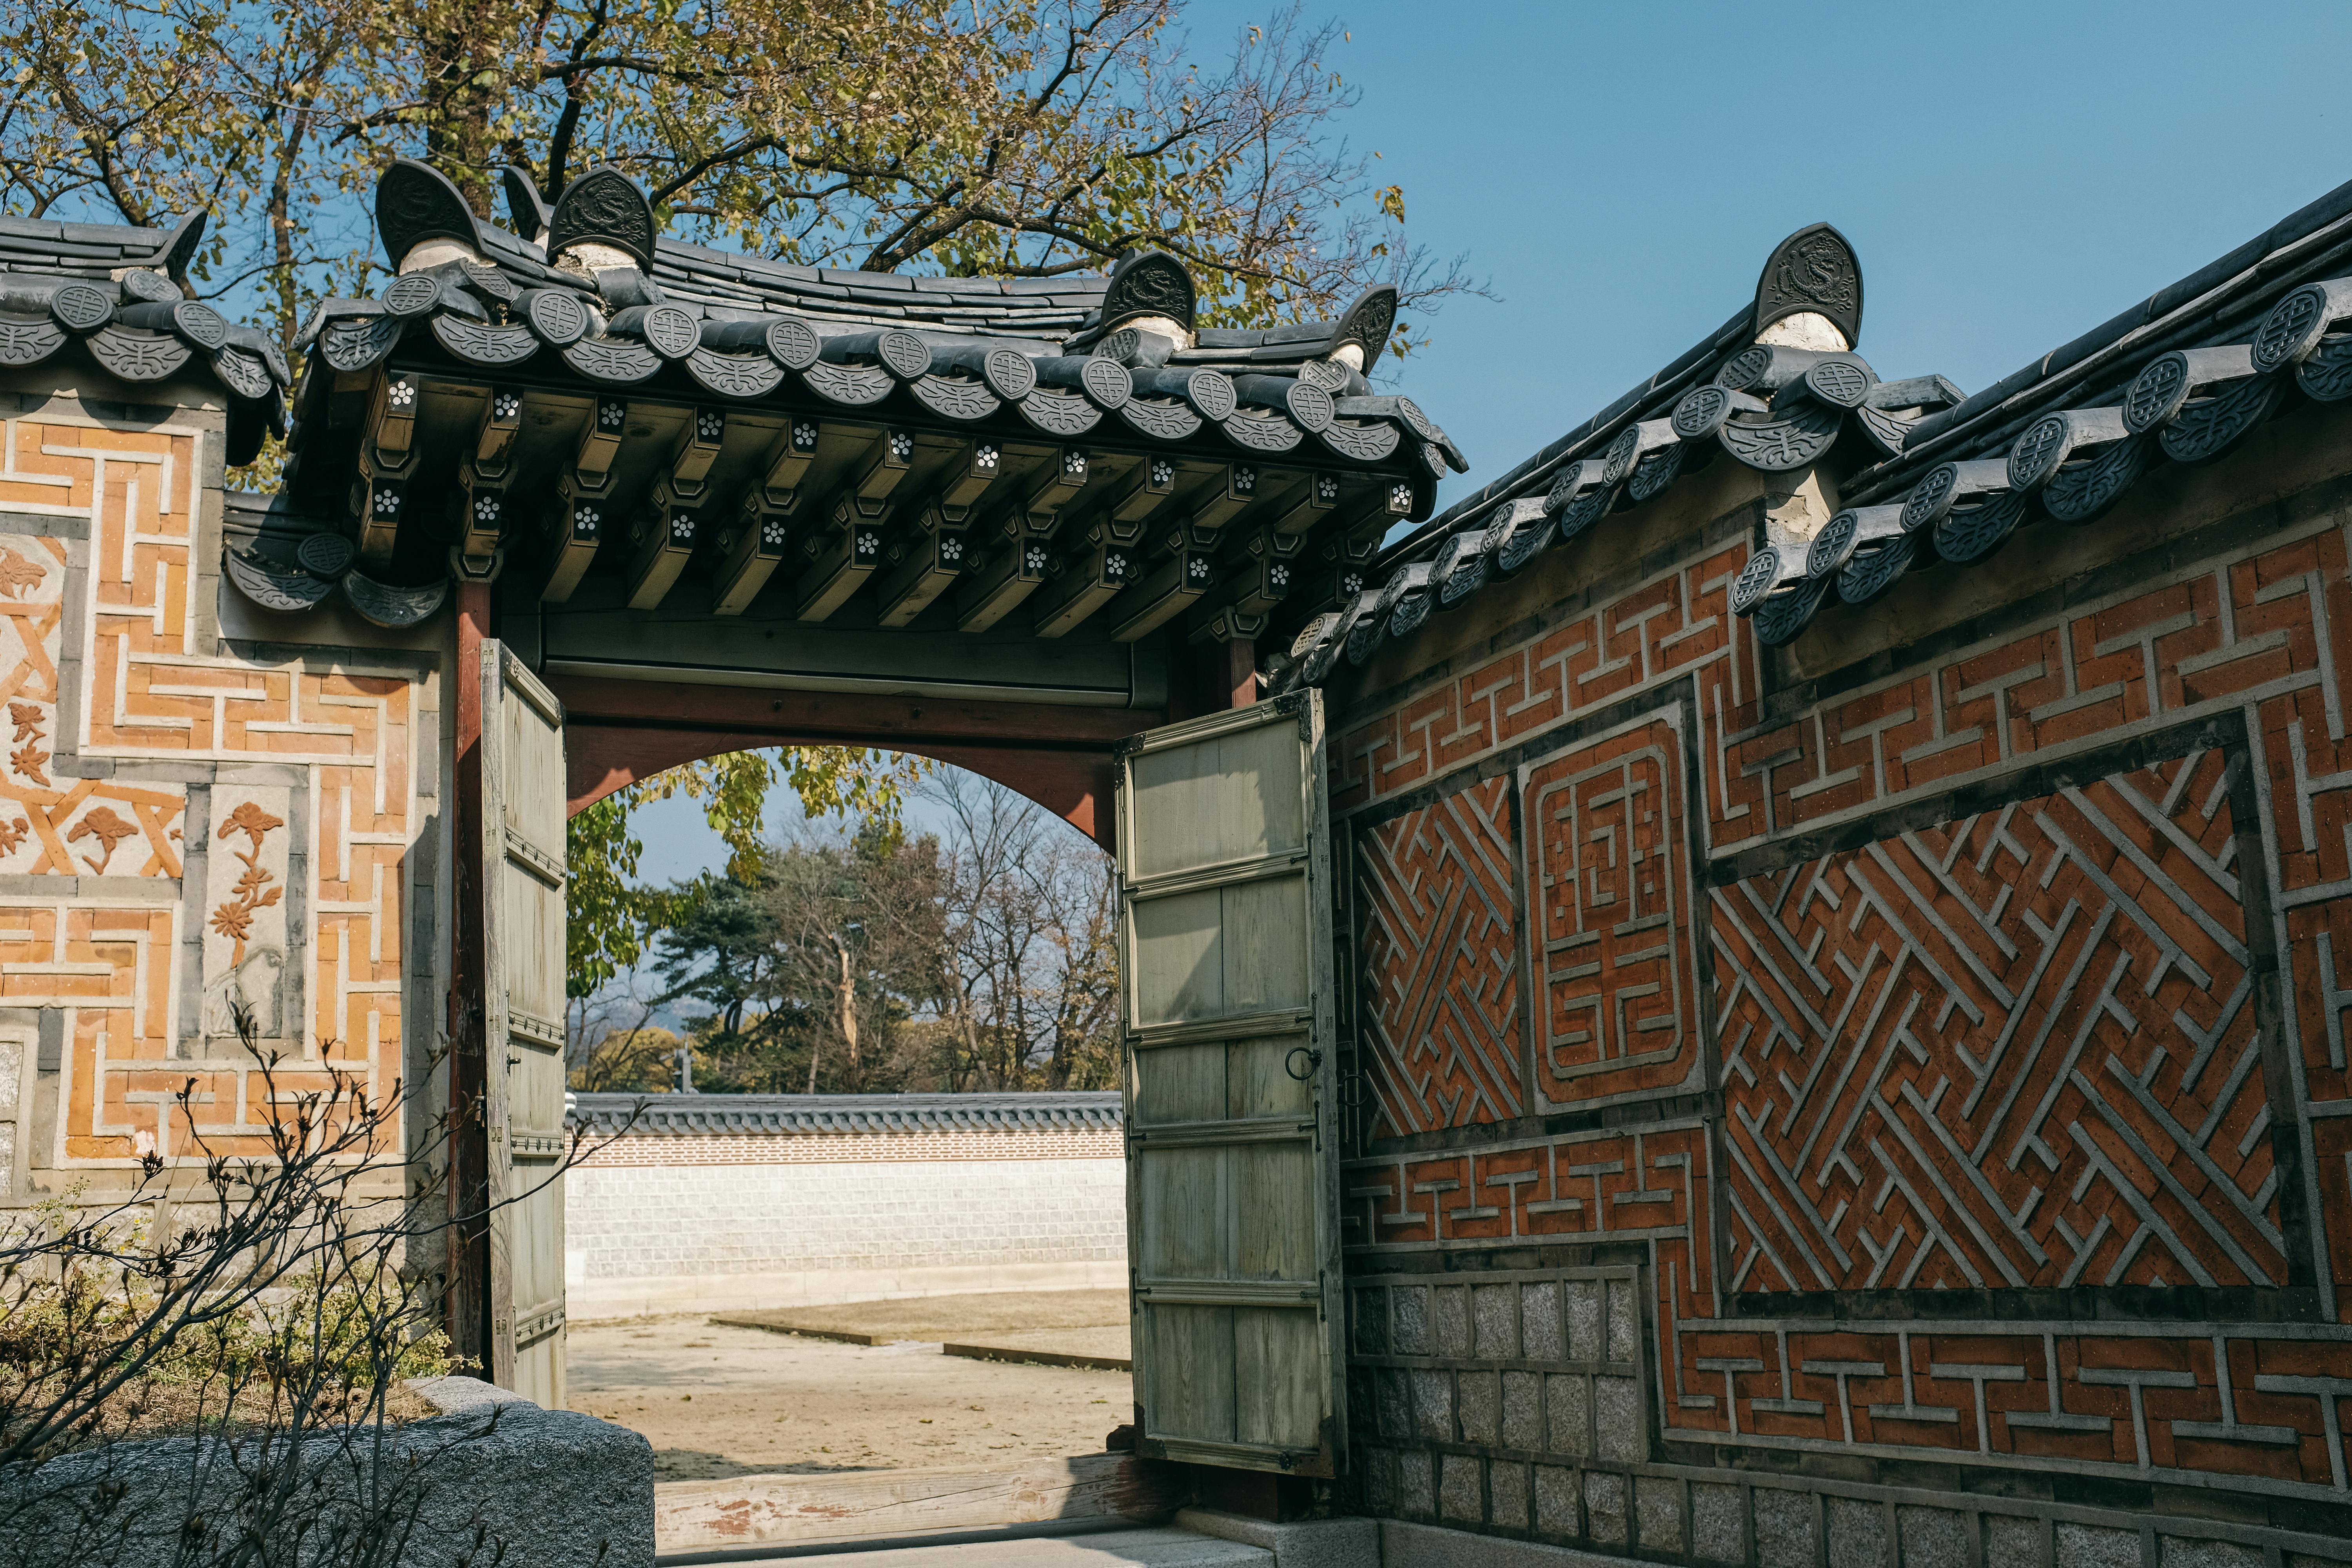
1240, 670
750, 550
928, 561
484, 500
1316, 504
666, 538
582, 516
788, 462
467, 1306
1255, 585
843, 559
387, 463
1092, 576
619, 732
1151, 487
761, 538
967, 481
905, 722
925, 565
1167, 593
667, 535
1233, 491
1010, 573
494, 439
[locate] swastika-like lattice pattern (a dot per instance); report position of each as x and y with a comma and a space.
1609, 896
51, 824
150, 688
2262, 630
2018, 1049
1440, 964
2027, 1049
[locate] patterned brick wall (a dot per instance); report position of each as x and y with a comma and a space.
183, 830
1955, 1054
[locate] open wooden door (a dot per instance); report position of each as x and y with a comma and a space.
1231, 1175
522, 909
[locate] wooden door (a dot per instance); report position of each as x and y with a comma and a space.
1233, 1200
522, 912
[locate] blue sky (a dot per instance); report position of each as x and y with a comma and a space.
2010, 174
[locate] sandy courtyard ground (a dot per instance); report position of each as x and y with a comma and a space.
715, 1401
1074, 1323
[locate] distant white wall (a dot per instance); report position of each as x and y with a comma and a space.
664, 1223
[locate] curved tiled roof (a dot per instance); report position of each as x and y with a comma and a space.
619, 306
1931, 479
789, 1115
108, 288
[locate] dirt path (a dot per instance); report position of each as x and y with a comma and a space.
715, 1401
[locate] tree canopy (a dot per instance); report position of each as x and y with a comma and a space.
979, 956
995, 138
611, 917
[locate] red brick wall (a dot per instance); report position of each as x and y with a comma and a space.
1959, 1045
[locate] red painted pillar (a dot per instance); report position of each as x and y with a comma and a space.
468, 1303
1240, 670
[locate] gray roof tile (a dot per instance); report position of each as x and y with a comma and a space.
820, 1115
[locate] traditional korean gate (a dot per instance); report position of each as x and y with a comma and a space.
523, 912
1233, 1211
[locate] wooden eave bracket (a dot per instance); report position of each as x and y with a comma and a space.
665, 537
844, 561
760, 538
581, 516
750, 550
1097, 572
387, 463
1161, 595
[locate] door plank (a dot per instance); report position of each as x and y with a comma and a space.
1225, 934
523, 806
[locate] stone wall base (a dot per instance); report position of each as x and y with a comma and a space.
1727, 1519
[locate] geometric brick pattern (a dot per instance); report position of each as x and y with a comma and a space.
148, 693
1440, 964
1677, 624
1647, 1188
2267, 632
2266, 636
2145, 1402
107, 961
50, 824
2020, 1048
1609, 896
2255, 1405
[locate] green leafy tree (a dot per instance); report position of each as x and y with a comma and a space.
612, 919
807, 971
1024, 138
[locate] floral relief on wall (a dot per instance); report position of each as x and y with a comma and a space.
245, 944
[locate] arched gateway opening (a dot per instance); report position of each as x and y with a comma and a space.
1042, 530
620, 732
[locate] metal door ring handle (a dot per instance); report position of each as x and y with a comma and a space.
1314, 1060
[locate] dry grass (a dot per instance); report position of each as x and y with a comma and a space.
170, 1407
